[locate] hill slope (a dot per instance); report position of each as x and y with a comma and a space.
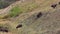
31, 17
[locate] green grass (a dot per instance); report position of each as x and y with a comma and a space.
20, 9
15, 11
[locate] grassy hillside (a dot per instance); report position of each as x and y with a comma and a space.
30, 17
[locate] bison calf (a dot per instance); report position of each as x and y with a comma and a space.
18, 26
54, 5
39, 15
3, 29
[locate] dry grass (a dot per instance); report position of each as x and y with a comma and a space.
28, 7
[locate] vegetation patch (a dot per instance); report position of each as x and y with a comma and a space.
15, 11
21, 9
